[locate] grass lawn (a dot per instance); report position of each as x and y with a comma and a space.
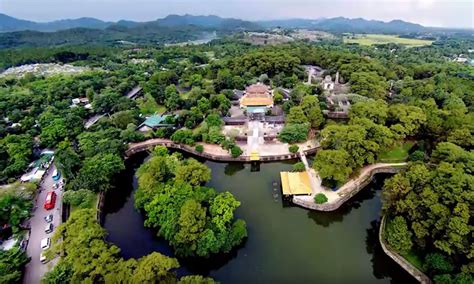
91, 205
370, 39
413, 258
148, 105
399, 153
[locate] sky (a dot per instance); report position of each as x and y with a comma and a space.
438, 13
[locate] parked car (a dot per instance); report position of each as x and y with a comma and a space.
23, 244
43, 258
56, 175
45, 243
50, 201
49, 218
49, 228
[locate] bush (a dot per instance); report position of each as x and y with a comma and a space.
320, 198
236, 151
299, 167
199, 148
293, 148
417, 156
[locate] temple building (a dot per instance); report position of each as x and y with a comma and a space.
257, 99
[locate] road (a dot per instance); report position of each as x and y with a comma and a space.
35, 269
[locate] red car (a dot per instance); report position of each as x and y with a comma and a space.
50, 200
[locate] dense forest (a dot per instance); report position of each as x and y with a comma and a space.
403, 94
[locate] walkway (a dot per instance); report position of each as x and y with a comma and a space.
349, 189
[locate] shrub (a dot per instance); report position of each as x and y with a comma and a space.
199, 148
293, 148
320, 198
81, 198
236, 151
299, 167
417, 156
184, 136
397, 234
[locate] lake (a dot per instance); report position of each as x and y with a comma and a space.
286, 244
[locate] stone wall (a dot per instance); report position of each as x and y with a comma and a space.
415, 272
221, 158
358, 186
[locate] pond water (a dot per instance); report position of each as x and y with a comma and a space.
286, 244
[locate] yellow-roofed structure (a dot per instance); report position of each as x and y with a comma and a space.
254, 156
295, 183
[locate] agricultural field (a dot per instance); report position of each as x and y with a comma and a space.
371, 39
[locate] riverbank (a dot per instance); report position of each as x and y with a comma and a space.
216, 153
347, 191
410, 268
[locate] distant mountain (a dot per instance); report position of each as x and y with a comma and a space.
10, 24
341, 25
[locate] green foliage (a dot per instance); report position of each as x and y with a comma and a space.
296, 116
397, 235
333, 166
435, 201
196, 220
87, 257
184, 136
97, 172
199, 148
417, 156
235, 151
294, 133
81, 198
320, 198
299, 167
15, 152
368, 84
293, 148
67, 160
196, 279
12, 263
438, 264
311, 109
375, 110
15, 205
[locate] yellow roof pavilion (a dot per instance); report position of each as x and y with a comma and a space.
295, 183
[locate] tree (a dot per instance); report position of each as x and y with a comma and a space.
155, 268
296, 116
405, 120
191, 223
222, 210
368, 84
106, 101
333, 166
15, 205
224, 80
320, 198
12, 263
375, 110
184, 136
193, 172
298, 92
97, 172
60, 274
294, 133
438, 264
172, 99
199, 148
398, 236
67, 160
81, 198
311, 109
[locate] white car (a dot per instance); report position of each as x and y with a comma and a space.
45, 243
43, 258
49, 228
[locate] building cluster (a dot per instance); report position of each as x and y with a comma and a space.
257, 100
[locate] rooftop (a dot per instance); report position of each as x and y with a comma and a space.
155, 120
295, 183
